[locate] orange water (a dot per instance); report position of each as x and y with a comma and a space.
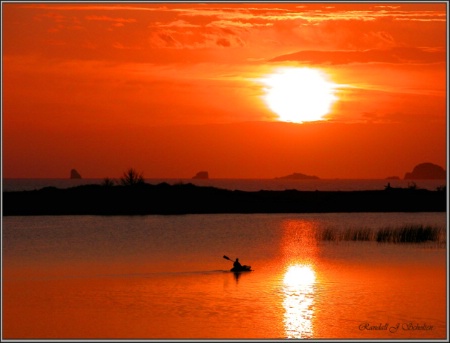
82, 283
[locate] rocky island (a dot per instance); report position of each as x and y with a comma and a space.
298, 176
74, 174
201, 175
426, 171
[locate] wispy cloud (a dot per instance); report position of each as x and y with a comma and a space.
231, 23
175, 24
310, 12
93, 7
316, 14
106, 18
257, 31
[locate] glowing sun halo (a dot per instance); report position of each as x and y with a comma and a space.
299, 94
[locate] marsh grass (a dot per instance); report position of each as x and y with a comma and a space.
405, 234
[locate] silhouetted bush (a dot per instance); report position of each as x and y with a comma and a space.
131, 178
441, 188
107, 182
412, 185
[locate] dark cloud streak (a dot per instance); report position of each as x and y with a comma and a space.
391, 55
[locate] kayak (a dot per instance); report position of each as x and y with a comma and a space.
244, 268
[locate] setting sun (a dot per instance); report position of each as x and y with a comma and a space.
299, 94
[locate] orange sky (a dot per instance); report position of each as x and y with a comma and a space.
171, 89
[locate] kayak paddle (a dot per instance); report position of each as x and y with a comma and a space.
227, 258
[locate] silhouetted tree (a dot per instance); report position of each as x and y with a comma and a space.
131, 177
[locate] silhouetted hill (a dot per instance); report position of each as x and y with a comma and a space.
188, 198
426, 171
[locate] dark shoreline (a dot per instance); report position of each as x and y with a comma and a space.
143, 199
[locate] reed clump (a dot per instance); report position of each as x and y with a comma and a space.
406, 234
335, 235
409, 234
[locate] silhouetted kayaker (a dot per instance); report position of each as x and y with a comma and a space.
237, 267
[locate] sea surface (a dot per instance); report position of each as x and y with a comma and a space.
165, 277
239, 184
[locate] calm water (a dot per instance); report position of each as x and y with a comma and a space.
152, 277
237, 184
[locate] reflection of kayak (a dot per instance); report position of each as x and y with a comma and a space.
241, 269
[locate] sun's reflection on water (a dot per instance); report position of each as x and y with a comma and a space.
300, 254
298, 288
